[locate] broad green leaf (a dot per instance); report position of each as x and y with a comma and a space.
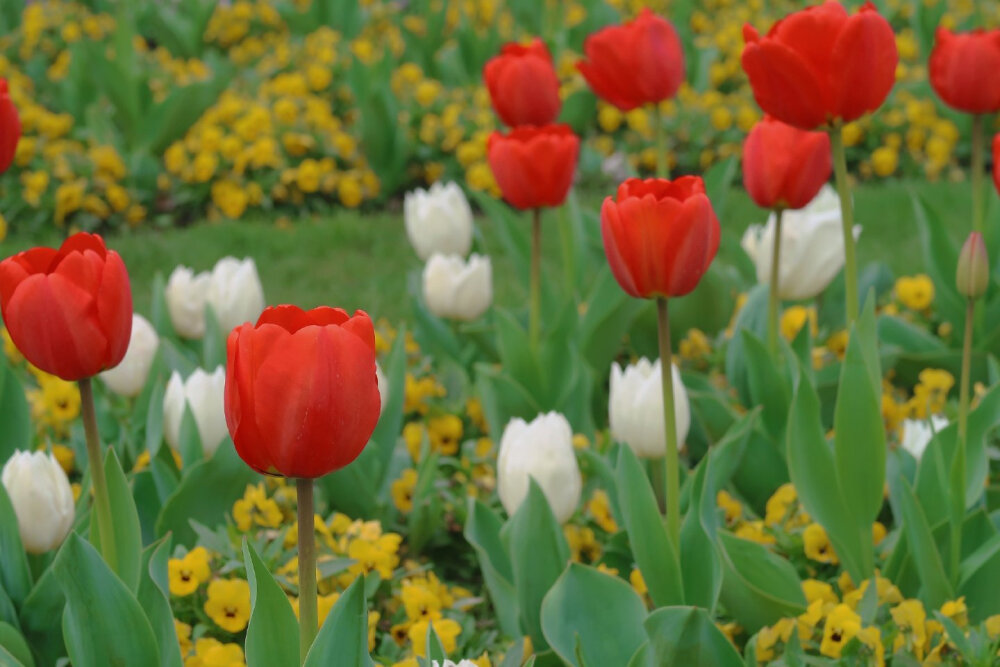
15, 575
213, 343
940, 263
700, 562
593, 618
390, 423
768, 384
425, 517
482, 531
978, 575
15, 427
125, 520
43, 604
191, 449
752, 317
154, 419
936, 589
343, 639
435, 653
273, 633
759, 587
15, 645
154, 596
687, 636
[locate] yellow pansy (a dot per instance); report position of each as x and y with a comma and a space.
228, 604
210, 652
600, 508
255, 508
446, 629
815, 590
910, 617
817, 544
956, 611
842, 624
187, 573
915, 292
794, 318
445, 434
402, 490
730, 506
638, 581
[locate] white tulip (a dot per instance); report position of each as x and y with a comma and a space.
235, 292
438, 220
635, 408
383, 388
456, 289
542, 450
186, 295
204, 393
917, 433
42, 498
812, 247
129, 377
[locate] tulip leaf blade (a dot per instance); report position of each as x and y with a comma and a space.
16, 647
482, 531
768, 384
935, 587
154, 418
125, 522
687, 636
425, 516
434, 650
15, 574
15, 427
272, 633
154, 596
759, 587
701, 565
45, 602
343, 638
390, 422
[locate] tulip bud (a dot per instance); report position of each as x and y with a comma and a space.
542, 450
973, 275
129, 377
635, 408
235, 292
438, 220
383, 387
456, 289
203, 393
42, 498
186, 294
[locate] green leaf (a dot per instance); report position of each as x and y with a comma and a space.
15, 576
125, 520
273, 633
482, 531
936, 589
154, 596
191, 449
425, 517
159, 312
607, 633
15, 427
687, 636
390, 424
213, 343
15, 645
343, 639
435, 651
43, 604
154, 419
610, 313
752, 317
758, 586
700, 561
656, 556
977, 576
768, 384
103, 623
940, 263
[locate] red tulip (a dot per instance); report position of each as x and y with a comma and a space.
523, 84
534, 166
996, 161
965, 70
302, 398
640, 62
659, 235
820, 65
10, 128
783, 166
69, 311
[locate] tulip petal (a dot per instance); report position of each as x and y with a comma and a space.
864, 65
784, 85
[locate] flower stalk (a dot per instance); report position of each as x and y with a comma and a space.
773, 300
102, 505
308, 617
958, 464
671, 464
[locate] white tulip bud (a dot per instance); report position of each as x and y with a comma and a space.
812, 247
917, 433
42, 498
635, 408
129, 377
383, 387
449, 663
438, 220
235, 292
542, 450
458, 290
186, 295
204, 393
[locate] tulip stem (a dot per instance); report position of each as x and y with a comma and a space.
773, 301
101, 516
978, 167
958, 464
534, 315
662, 159
670, 421
308, 618
847, 214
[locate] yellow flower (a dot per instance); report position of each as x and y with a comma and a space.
817, 544
842, 624
600, 508
229, 198
324, 603
780, 505
695, 345
210, 652
755, 532
730, 506
183, 631
992, 625
871, 637
878, 532
413, 436
255, 508
446, 629
445, 434
308, 175
609, 117
808, 621
187, 573
65, 456
402, 490
915, 292
582, 542
819, 590
768, 637
638, 582
203, 167
910, 617
375, 556
885, 160
474, 410
794, 318
956, 611
349, 191
837, 343
228, 604
420, 602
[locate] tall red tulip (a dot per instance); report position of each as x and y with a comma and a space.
996, 161
10, 128
534, 166
965, 70
523, 84
659, 235
69, 311
820, 65
783, 166
639, 62
302, 397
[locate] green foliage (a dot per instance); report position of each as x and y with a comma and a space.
273, 633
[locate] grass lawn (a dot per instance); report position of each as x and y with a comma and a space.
363, 260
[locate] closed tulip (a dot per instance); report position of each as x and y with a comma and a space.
438, 220
186, 295
812, 247
819, 65
129, 377
783, 166
42, 499
639, 62
659, 236
972, 277
302, 397
203, 393
534, 166
964, 70
69, 311
10, 128
235, 293
456, 289
523, 84
917, 433
635, 408
541, 450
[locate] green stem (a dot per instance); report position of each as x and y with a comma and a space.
662, 159
978, 167
102, 505
847, 213
659, 483
534, 316
670, 421
958, 465
773, 301
308, 618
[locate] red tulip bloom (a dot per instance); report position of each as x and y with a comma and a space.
69, 311
965, 70
523, 84
534, 166
10, 128
996, 161
640, 62
302, 398
783, 166
659, 235
819, 65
